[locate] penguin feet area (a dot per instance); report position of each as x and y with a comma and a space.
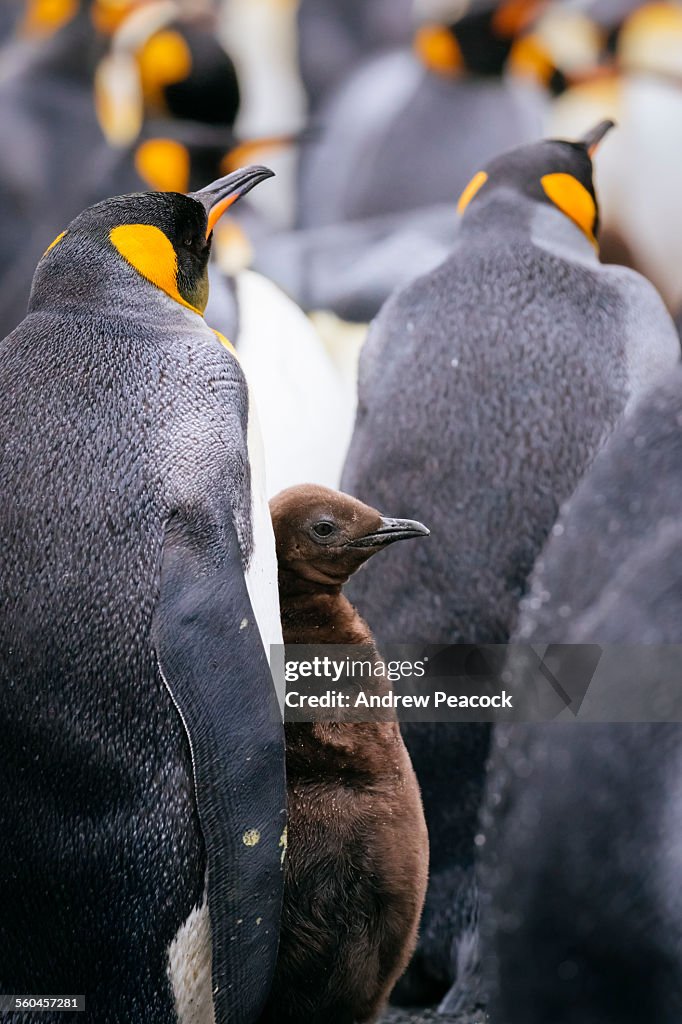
340, 490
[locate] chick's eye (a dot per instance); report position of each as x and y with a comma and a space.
323, 529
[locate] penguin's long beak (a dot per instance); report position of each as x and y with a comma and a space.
592, 138
390, 531
217, 197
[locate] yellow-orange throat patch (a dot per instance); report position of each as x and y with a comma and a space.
44, 17
151, 253
55, 242
475, 185
573, 199
163, 60
438, 50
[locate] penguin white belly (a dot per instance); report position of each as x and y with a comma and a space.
652, 346
652, 131
305, 407
262, 37
261, 572
189, 968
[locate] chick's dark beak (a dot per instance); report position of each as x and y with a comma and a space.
217, 197
390, 531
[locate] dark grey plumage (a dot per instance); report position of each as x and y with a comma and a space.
351, 269
126, 517
486, 388
333, 35
47, 124
583, 920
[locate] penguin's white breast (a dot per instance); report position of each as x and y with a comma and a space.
189, 968
261, 573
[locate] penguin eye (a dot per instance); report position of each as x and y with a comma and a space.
323, 529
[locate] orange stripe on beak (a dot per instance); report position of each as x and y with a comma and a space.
221, 194
216, 212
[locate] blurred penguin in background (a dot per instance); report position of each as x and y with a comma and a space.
351, 269
422, 120
9, 18
649, 54
262, 37
583, 920
334, 35
430, 118
485, 389
78, 93
642, 93
49, 141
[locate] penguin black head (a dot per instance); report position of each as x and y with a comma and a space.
324, 536
187, 74
474, 36
164, 236
553, 172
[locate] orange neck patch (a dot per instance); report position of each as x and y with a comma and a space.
45, 17
55, 242
439, 51
573, 199
474, 186
223, 341
151, 253
163, 60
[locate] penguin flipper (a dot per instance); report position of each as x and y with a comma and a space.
212, 660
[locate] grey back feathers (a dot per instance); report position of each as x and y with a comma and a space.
625, 510
486, 388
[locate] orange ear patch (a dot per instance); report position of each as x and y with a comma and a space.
573, 199
108, 15
163, 164
151, 253
438, 50
474, 186
512, 16
163, 60
530, 59
44, 17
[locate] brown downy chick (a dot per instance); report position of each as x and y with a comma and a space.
357, 857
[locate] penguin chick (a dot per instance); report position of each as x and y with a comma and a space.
356, 865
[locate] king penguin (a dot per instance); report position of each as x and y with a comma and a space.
430, 116
598, 936
142, 794
485, 389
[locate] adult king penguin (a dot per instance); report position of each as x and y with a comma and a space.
581, 869
485, 389
142, 793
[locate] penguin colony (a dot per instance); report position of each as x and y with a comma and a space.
517, 389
